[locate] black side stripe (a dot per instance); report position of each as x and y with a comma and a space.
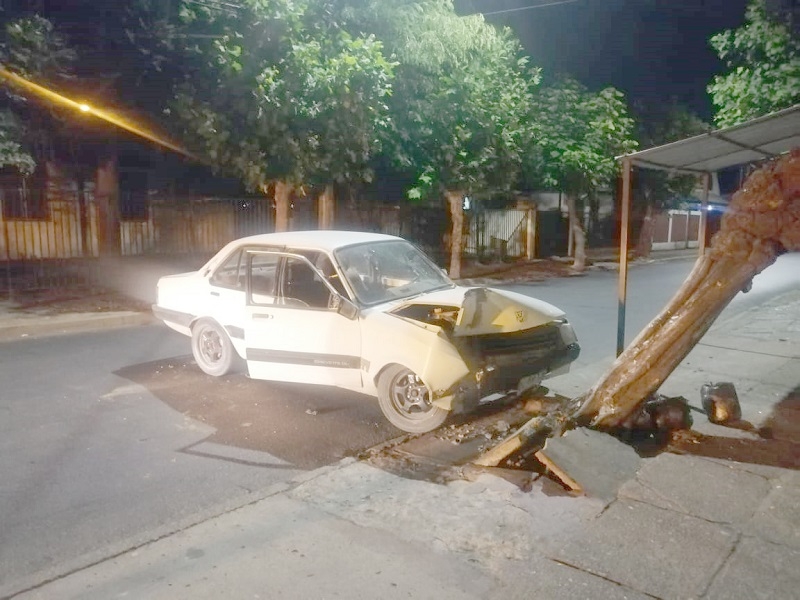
337, 361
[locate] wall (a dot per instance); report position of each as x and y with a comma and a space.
675, 229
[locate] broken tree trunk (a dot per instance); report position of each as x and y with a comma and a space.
762, 222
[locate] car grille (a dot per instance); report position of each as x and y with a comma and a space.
519, 347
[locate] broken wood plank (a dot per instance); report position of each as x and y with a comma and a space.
496, 454
562, 475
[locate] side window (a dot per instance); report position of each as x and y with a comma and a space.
263, 271
302, 286
325, 265
231, 273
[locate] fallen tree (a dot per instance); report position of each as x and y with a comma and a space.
762, 222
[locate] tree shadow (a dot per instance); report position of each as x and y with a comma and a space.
305, 426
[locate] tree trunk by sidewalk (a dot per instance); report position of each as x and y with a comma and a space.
106, 193
578, 235
455, 202
283, 197
645, 243
763, 221
326, 208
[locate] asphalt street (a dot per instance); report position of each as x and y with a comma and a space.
591, 300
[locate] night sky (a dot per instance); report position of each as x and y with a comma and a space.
649, 49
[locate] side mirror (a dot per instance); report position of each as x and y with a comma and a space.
343, 306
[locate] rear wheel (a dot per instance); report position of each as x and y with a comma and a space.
405, 401
212, 349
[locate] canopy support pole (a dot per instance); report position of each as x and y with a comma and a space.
623, 252
703, 231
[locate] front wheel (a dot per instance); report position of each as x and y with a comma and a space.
405, 401
212, 349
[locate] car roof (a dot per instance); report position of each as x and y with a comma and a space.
327, 239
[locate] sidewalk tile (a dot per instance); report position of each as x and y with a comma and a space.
698, 487
540, 578
652, 550
778, 518
758, 570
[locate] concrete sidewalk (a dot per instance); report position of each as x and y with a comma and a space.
694, 524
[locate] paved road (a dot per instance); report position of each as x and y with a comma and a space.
591, 300
112, 438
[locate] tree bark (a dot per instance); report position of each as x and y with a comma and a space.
455, 201
106, 193
763, 221
283, 198
645, 244
578, 235
325, 208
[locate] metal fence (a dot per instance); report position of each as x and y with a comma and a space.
497, 234
193, 226
55, 243
52, 243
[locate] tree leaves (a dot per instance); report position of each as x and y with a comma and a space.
11, 152
577, 134
763, 62
309, 98
459, 99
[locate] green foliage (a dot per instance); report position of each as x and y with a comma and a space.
577, 135
34, 49
659, 125
459, 107
31, 47
762, 60
11, 152
280, 96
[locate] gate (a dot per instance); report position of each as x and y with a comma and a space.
499, 234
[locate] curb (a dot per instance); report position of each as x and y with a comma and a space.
36, 326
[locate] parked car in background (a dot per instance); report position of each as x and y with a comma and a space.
366, 312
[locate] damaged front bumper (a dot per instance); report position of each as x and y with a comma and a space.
510, 364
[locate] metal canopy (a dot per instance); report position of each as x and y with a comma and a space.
756, 140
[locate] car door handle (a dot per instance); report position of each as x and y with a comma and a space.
262, 316
215, 293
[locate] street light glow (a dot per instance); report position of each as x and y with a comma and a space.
107, 116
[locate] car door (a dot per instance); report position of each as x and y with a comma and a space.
226, 297
299, 335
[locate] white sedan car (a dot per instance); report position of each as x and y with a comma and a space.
366, 312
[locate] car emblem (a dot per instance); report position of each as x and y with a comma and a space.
520, 316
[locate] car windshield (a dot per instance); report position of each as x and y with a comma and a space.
384, 271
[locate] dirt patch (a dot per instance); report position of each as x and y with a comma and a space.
777, 444
73, 300
530, 270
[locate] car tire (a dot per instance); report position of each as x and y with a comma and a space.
212, 349
405, 401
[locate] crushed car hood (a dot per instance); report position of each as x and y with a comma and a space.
487, 310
